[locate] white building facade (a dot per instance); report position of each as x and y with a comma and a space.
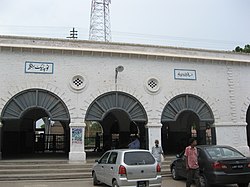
166, 93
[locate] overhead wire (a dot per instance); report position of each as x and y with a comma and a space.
118, 36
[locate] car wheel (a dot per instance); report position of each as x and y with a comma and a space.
174, 173
114, 184
243, 185
95, 181
203, 181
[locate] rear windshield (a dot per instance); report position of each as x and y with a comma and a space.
138, 158
223, 152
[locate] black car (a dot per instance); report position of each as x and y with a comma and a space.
218, 165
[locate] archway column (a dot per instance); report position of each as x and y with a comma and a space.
77, 131
1, 125
232, 134
154, 132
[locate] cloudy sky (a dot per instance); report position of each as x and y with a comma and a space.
209, 24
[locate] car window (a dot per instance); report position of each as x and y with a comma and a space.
223, 152
112, 158
231, 153
104, 158
138, 158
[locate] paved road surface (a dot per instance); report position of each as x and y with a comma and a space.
167, 182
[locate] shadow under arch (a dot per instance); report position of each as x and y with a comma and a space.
186, 116
20, 114
248, 126
120, 110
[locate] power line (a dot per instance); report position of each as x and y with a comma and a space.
126, 37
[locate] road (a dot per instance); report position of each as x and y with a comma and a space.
167, 182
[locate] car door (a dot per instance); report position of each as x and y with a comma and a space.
180, 165
100, 167
203, 161
110, 168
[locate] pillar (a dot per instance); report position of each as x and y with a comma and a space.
154, 132
77, 131
233, 134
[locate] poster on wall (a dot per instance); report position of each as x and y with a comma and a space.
77, 135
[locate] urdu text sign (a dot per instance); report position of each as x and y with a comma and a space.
39, 67
184, 74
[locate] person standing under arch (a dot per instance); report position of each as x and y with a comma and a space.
97, 142
135, 144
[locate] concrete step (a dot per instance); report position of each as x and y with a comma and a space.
13, 170
41, 171
54, 176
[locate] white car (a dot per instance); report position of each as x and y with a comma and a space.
127, 167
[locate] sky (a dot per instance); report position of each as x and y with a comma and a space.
206, 24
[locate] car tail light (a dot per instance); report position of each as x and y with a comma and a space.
218, 165
248, 165
122, 170
158, 168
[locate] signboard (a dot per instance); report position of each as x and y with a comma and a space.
77, 135
39, 67
184, 74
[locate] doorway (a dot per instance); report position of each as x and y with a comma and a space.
248, 126
22, 137
121, 117
183, 117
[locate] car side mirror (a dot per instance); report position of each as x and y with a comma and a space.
97, 161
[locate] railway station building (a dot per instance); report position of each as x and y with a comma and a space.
123, 90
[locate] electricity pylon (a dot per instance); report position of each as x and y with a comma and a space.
100, 29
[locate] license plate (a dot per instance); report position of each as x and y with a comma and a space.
141, 184
240, 166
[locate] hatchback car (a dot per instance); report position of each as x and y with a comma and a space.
127, 167
218, 165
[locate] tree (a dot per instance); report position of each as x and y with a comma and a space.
246, 49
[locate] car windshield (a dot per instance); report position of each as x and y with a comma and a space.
138, 158
223, 152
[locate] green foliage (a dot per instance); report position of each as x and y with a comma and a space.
42, 126
246, 49
92, 128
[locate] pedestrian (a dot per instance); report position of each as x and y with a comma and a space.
135, 144
97, 142
157, 151
192, 166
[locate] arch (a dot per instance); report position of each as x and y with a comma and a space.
248, 126
109, 101
187, 102
28, 99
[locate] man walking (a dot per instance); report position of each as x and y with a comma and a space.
192, 165
157, 151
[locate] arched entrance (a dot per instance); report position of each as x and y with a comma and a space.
93, 136
121, 116
248, 126
183, 117
22, 137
